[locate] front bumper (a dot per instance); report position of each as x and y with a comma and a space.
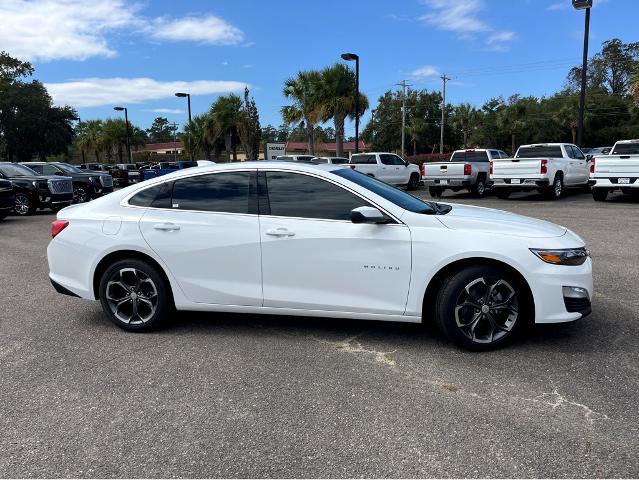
553, 303
524, 183
47, 199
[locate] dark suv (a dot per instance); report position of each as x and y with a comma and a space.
86, 185
33, 191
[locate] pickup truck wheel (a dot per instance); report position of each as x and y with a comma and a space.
80, 194
479, 189
556, 190
134, 295
413, 183
481, 308
503, 193
435, 192
23, 205
599, 194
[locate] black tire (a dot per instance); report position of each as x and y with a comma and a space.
471, 328
142, 293
556, 190
23, 205
413, 183
599, 194
502, 193
479, 189
80, 194
435, 192
3, 216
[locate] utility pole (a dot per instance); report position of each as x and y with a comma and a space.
441, 137
582, 96
174, 125
403, 85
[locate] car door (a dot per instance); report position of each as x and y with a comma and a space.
571, 164
208, 236
393, 168
582, 166
314, 257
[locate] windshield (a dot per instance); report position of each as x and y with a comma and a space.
16, 170
469, 156
626, 149
69, 168
540, 151
392, 194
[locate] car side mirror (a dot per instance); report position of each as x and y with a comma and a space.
367, 215
406, 163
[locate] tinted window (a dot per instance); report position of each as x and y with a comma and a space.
626, 149
569, 151
304, 196
339, 161
470, 156
540, 151
219, 192
16, 170
157, 196
578, 154
392, 194
363, 159
388, 159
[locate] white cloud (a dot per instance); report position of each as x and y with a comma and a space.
93, 92
463, 18
208, 29
425, 72
78, 29
558, 6
169, 111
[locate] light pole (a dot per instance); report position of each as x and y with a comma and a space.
349, 57
126, 121
581, 5
188, 98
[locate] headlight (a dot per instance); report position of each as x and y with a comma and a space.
568, 256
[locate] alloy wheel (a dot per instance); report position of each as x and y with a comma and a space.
22, 204
79, 195
558, 188
487, 311
132, 296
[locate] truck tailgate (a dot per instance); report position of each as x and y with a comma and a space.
517, 168
617, 166
444, 170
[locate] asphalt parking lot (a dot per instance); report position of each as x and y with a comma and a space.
259, 396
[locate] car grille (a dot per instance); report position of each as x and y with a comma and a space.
106, 180
60, 186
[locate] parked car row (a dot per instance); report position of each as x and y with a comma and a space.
549, 168
48, 185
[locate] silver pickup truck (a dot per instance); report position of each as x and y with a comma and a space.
617, 171
466, 170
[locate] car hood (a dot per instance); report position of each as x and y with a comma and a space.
488, 220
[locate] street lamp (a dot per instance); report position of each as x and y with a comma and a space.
581, 5
349, 57
126, 121
188, 98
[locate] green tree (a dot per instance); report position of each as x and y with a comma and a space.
224, 118
195, 137
337, 100
90, 137
304, 91
160, 131
249, 129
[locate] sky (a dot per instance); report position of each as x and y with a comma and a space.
94, 55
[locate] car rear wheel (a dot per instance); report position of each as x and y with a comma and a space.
556, 190
134, 295
599, 194
479, 189
23, 205
481, 308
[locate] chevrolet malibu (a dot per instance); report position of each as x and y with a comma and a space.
316, 240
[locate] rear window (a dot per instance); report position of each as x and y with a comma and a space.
157, 196
361, 159
540, 151
339, 161
626, 149
469, 157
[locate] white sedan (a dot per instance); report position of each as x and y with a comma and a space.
316, 240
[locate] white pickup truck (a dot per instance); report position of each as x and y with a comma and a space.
466, 170
619, 170
546, 167
387, 167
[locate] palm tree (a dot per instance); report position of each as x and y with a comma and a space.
91, 137
223, 119
195, 138
337, 100
416, 129
304, 90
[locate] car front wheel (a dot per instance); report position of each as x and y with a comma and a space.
23, 205
80, 194
134, 295
413, 183
481, 308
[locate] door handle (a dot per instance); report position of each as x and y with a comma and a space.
280, 232
166, 227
